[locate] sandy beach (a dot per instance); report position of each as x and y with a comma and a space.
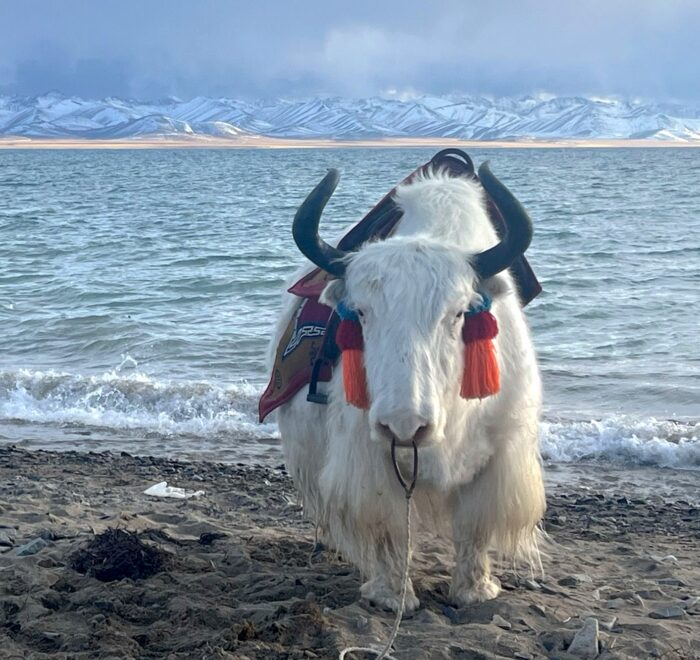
238, 577
263, 142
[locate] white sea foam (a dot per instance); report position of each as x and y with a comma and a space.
128, 400
132, 401
623, 440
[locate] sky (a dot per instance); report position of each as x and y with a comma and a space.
150, 49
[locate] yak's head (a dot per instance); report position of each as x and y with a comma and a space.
410, 294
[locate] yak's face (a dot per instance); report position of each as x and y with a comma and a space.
410, 295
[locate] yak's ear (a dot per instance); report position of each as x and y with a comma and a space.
495, 286
333, 293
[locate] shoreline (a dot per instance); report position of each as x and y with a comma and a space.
262, 142
239, 582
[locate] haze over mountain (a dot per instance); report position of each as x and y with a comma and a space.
54, 115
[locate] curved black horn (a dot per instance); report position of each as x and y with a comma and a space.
305, 227
518, 233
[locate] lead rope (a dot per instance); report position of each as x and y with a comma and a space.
383, 654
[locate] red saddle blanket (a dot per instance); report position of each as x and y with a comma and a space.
307, 342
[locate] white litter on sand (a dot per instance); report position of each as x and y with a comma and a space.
163, 490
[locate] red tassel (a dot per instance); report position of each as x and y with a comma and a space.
479, 326
350, 341
481, 377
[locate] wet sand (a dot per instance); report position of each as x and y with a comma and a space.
239, 583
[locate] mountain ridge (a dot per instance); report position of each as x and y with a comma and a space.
54, 115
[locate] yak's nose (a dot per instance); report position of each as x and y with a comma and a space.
406, 427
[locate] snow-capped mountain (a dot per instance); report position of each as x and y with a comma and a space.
465, 117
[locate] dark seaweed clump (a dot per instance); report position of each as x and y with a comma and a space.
117, 554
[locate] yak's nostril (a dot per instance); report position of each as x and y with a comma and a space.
420, 433
405, 433
385, 430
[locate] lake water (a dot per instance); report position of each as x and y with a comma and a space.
138, 289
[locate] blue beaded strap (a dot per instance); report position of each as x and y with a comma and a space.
345, 313
483, 306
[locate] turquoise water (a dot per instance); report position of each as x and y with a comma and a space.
138, 290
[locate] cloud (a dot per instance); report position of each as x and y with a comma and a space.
52, 69
264, 49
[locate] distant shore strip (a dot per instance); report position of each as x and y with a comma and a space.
262, 142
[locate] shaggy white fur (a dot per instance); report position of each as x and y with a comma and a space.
480, 478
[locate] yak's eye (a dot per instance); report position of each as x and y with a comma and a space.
360, 312
453, 320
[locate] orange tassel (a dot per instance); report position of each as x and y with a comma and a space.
355, 379
481, 376
350, 341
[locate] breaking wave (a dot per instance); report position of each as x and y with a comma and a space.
623, 440
123, 402
132, 401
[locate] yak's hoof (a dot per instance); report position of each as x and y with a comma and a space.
485, 589
380, 594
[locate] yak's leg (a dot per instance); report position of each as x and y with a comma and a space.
375, 542
473, 522
383, 588
499, 510
367, 523
365, 506
472, 581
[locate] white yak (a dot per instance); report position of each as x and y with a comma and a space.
479, 471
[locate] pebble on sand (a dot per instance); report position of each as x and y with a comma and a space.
672, 581
574, 580
608, 624
32, 547
668, 612
585, 642
499, 621
538, 609
6, 540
